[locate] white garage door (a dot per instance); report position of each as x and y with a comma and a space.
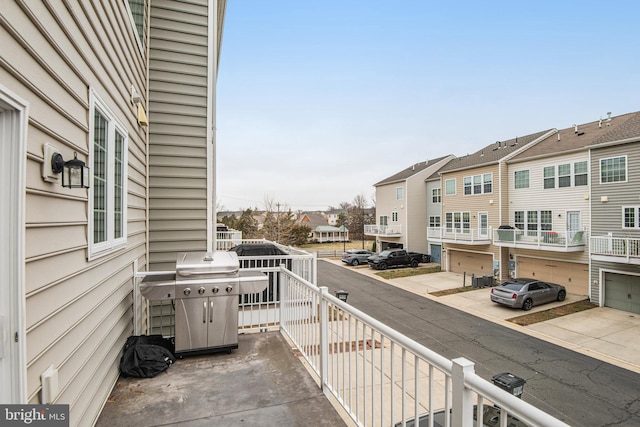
470, 263
574, 276
622, 292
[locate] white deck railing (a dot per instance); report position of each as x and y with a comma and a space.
615, 246
382, 230
459, 234
380, 376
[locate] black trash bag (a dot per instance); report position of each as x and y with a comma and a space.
145, 356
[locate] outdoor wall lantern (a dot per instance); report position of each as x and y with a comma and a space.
75, 174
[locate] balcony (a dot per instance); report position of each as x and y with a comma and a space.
374, 375
555, 241
615, 249
383, 230
461, 236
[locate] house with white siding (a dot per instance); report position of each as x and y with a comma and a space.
547, 225
127, 87
614, 160
474, 202
401, 207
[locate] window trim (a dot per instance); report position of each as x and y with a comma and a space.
626, 168
475, 185
394, 216
436, 195
399, 193
585, 173
636, 220
141, 46
515, 179
111, 244
446, 190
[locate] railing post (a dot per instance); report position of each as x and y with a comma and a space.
462, 396
283, 280
324, 339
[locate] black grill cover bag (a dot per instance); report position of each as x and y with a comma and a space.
145, 356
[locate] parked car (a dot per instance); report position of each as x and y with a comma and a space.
356, 256
525, 293
490, 418
395, 258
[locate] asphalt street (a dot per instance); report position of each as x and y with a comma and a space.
577, 389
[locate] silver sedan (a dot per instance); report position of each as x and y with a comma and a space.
525, 293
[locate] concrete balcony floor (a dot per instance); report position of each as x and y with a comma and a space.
261, 383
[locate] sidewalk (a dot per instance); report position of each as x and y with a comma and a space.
602, 333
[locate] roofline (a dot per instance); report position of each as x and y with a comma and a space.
508, 156
446, 158
542, 156
618, 142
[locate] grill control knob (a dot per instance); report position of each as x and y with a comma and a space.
187, 291
229, 289
201, 290
215, 290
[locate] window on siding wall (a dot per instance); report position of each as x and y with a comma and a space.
434, 221
549, 177
458, 222
384, 220
436, 196
450, 186
580, 172
564, 175
138, 13
533, 221
478, 184
108, 156
631, 217
394, 216
613, 169
399, 193
521, 179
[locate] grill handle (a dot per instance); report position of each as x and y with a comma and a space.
208, 273
204, 312
210, 311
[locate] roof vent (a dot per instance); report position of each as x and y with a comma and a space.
600, 123
609, 114
558, 136
575, 128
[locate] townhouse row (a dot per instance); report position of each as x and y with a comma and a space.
558, 205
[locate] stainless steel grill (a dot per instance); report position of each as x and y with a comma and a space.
205, 290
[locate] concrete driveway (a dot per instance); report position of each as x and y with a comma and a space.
602, 333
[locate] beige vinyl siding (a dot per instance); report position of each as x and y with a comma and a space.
78, 313
178, 99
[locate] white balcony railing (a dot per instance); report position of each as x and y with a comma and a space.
372, 369
616, 248
569, 241
382, 230
459, 235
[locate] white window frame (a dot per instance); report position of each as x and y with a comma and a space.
434, 221
394, 216
436, 195
564, 177
446, 187
626, 169
577, 174
636, 219
138, 37
476, 184
399, 193
111, 243
519, 177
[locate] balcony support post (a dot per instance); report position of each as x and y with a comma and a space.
462, 396
324, 340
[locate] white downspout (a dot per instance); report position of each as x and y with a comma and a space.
212, 74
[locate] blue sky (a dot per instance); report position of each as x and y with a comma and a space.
319, 100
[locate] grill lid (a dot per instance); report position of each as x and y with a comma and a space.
207, 263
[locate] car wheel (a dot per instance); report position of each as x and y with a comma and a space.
382, 266
528, 303
562, 295
355, 262
414, 263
